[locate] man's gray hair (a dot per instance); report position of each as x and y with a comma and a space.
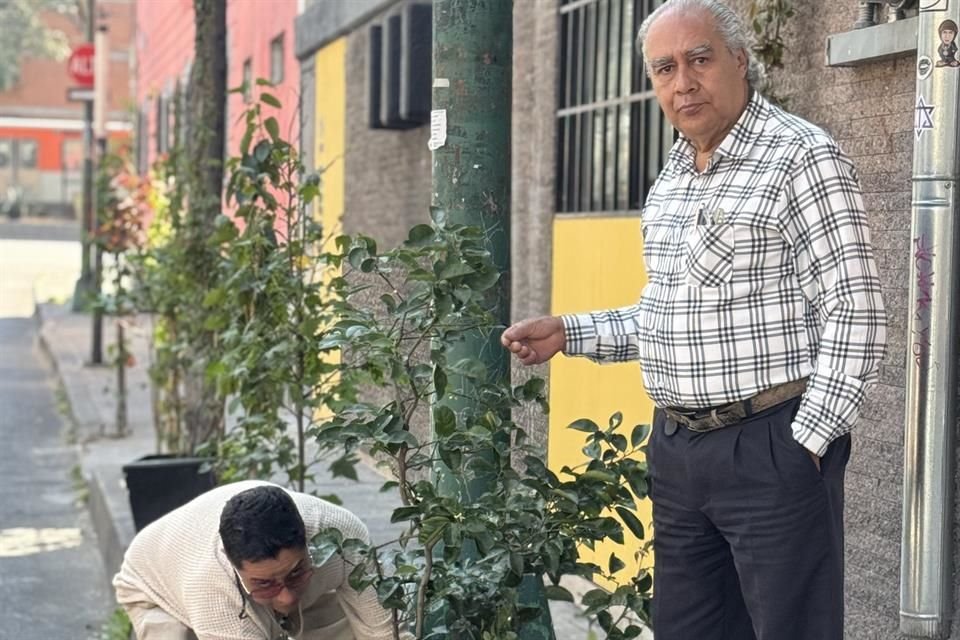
729, 26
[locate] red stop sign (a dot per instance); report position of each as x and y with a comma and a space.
80, 65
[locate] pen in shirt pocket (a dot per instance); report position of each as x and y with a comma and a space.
707, 218
702, 218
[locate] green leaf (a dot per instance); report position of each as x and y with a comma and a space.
556, 592
471, 368
356, 256
615, 420
389, 302
601, 476
214, 297
245, 141
483, 280
595, 597
401, 514
262, 150
637, 479
618, 441
444, 421
420, 235
592, 450
639, 434
432, 527
633, 523
516, 563
270, 124
270, 99
439, 381
321, 551
530, 389
584, 424
344, 467
454, 270
615, 564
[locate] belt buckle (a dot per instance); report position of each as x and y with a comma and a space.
710, 422
719, 418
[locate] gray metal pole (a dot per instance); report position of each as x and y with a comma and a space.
81, 292
926, 560
101, 110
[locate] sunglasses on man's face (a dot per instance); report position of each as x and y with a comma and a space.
267, 589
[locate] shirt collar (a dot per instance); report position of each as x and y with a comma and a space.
738, 141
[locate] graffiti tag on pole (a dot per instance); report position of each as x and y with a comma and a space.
923, 255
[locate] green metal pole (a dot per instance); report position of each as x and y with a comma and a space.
470, 139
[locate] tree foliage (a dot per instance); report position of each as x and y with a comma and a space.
24, 35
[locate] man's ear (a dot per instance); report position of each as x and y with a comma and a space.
742, 62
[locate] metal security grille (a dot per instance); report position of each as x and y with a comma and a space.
612, 136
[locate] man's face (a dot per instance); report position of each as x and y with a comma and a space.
947, 36
700, 84
278, 582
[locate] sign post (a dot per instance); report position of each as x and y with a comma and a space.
101, 61
80, 65
81, 71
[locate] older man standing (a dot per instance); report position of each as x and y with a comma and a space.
758, 333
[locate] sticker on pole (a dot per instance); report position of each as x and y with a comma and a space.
924, 117
934, 5
438, 129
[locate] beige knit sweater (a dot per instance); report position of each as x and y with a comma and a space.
177, 563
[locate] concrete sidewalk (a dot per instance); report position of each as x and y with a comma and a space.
91, 396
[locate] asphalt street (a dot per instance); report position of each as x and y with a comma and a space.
51, 576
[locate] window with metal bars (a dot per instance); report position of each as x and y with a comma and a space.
612, 137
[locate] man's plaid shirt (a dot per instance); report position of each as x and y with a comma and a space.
760, 271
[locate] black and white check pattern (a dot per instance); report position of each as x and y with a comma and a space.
760, 271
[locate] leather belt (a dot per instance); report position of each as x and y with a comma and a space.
703, 420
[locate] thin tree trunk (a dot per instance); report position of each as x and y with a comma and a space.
203, 168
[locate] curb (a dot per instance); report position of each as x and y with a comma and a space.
111, 542
107, 519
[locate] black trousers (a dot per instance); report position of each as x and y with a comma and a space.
748, 535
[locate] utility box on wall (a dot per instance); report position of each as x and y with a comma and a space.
399, 68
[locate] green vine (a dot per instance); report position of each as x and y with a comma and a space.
768, 19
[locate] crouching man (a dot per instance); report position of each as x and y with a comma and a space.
233, 565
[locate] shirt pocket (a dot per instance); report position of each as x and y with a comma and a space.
710, 253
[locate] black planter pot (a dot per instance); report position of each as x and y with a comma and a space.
159, 484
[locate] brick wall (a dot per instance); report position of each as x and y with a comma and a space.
387, 171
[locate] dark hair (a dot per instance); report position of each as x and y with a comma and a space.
259, 523
947, 25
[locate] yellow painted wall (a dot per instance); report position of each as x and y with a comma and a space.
597, 264
330, 125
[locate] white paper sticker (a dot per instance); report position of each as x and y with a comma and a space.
438, 129
441, 83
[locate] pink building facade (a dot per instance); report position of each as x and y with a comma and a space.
259, 45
